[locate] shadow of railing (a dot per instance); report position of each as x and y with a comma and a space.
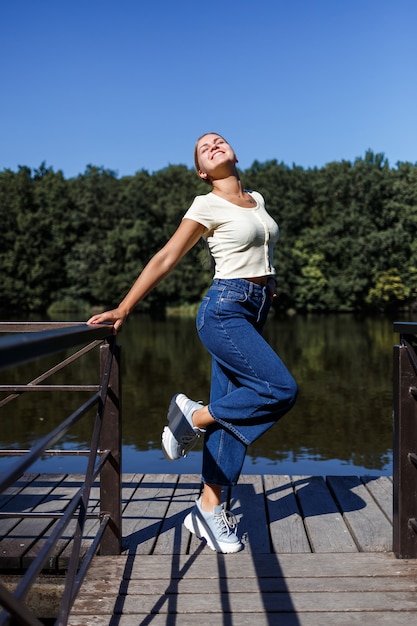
30, 342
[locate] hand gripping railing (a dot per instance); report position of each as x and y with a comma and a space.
28, 342
405, 442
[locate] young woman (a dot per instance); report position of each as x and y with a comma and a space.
250, 388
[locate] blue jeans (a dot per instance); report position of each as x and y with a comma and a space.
251, 388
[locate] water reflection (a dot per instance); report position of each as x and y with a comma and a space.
342, 422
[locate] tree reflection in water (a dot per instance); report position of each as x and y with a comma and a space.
341, 424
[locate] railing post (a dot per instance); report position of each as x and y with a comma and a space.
405, 445
111, 439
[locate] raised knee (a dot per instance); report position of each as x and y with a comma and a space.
285, 393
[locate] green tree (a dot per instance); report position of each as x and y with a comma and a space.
348, 235
34, 242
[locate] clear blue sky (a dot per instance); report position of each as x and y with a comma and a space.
130, 84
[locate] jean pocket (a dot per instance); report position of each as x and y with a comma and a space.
201, 312
234, 295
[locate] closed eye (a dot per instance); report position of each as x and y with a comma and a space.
206, 146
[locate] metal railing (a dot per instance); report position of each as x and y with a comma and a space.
28, 342
405, 442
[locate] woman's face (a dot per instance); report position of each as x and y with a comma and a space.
213, 152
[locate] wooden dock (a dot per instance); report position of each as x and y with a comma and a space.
318, 552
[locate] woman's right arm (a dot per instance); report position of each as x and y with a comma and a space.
184, 238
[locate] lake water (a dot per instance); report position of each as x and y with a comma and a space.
341, 424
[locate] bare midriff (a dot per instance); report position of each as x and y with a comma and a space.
260, 280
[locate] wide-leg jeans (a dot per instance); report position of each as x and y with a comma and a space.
251, 389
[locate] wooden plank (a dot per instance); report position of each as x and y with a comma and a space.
13, 490
14, 499
368, 524
273, 584
64, 547
286, 524
130, 483
238, 603
381, 488
26, 532
174, 537
145, 512
245, 565
324, 523
57, 501
262, 565
251, 619
248, 503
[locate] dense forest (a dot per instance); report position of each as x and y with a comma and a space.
348, 236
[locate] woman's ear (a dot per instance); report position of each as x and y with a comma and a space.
202, 174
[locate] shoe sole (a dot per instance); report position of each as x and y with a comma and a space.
167, 436
175, 413
195, 526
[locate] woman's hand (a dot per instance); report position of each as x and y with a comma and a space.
271, 286
115, 316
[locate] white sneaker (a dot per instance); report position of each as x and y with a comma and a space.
218, 528
180, 435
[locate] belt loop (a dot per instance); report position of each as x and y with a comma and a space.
262, 303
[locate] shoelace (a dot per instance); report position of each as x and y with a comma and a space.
189, 441
227, 522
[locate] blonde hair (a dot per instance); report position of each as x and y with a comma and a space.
196, 163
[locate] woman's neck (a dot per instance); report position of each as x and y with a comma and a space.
231, 189
230, 186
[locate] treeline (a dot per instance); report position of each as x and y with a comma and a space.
348, 236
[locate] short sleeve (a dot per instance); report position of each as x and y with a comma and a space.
201, 212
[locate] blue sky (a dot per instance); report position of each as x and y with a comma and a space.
130, 85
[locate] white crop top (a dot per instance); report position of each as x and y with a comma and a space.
240, 240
